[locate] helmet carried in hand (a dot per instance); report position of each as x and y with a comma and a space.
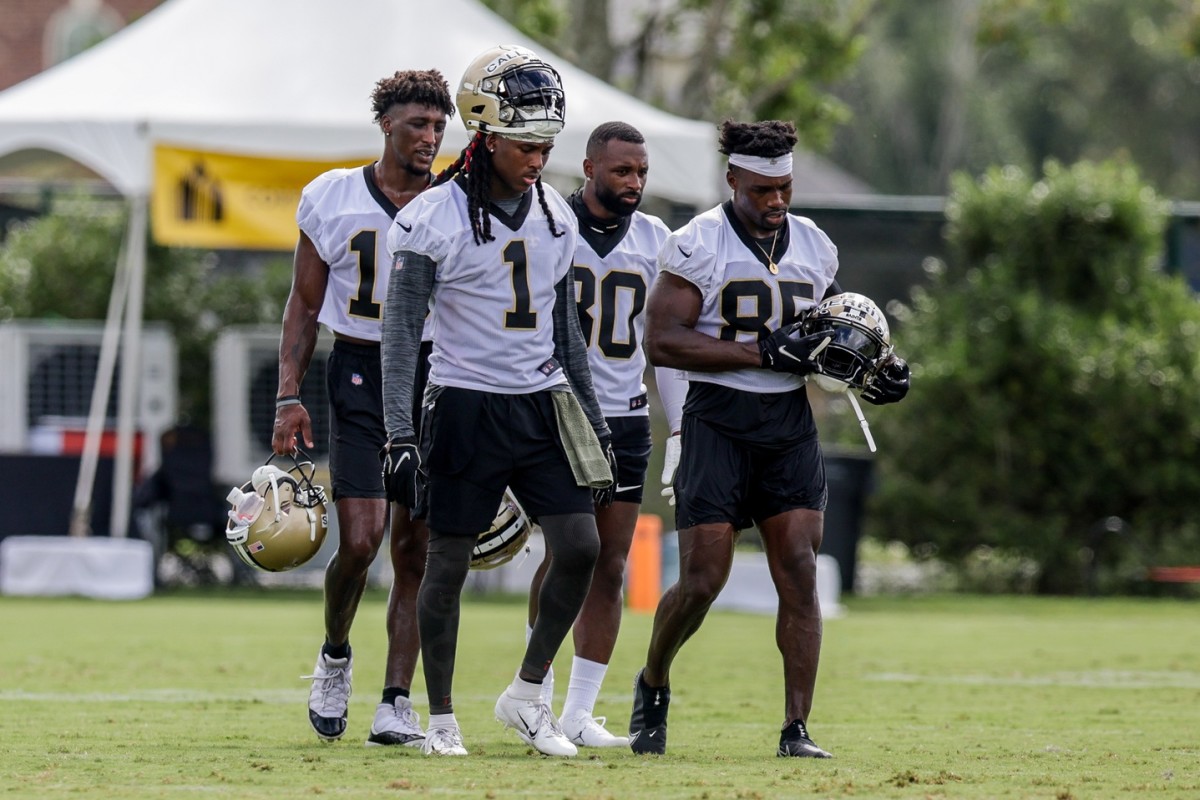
278, 519
508, 535
859, 344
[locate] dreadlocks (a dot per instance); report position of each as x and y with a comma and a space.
475, 164
767, 139
425, 87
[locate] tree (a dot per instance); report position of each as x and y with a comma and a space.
739, 58
62, 266
1056, 381
952, 85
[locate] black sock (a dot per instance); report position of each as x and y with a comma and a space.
390, 693
341, 651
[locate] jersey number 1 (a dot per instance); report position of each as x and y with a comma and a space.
363, 303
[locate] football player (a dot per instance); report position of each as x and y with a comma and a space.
340, 280
727, 307
615, 263
488, 250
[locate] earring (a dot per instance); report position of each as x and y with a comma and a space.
387, 133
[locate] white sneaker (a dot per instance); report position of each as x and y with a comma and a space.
443, 742
330, 696
396, 723
535, 723
587, 731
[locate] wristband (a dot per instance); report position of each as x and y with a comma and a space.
287, 400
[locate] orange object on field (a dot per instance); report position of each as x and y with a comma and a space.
645, 563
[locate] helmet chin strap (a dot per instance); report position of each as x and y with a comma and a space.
862, 421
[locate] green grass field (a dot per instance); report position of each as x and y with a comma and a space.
199, 696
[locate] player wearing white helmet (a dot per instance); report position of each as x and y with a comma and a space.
488, 250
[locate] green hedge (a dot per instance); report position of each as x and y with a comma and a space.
1056, 384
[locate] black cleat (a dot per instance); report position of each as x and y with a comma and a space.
648, 722
795, 742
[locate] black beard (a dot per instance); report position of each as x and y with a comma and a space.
415, 171
612, 203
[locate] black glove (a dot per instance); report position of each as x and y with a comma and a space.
889, 384
603, 498
790, 350
401, 464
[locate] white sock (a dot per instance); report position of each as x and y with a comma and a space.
442, 721
524, 690
584, 687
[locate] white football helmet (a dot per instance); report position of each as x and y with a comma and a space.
860, 340
508, 90
507, 536
278, 519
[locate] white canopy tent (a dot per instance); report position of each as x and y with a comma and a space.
294, 80
288, 80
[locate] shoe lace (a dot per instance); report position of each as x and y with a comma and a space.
445, 738
595, 722
331, 687
545, 719
409, 716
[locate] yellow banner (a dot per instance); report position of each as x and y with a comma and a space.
219, 200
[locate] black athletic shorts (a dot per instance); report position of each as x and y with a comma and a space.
354, 380
631, 445
746, 457
476, 443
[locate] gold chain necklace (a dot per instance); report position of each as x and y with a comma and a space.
771, 266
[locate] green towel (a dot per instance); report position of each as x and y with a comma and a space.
588, 462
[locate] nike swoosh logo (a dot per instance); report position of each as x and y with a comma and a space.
407, 228
784, 351
686, 254
621, 488
650, 735
403, 458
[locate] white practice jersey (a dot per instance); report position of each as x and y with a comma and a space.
492, 304
347, 217
611, 294
742, 300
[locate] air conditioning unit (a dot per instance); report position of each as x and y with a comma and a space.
245, 380
47, 374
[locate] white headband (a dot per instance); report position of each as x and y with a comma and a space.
775, 167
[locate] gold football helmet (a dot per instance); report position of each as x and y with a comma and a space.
507, 536
278, 519
860, 340
511, 92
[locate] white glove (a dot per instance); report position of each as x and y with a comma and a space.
670, 464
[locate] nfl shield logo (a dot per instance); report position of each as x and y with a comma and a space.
356, 379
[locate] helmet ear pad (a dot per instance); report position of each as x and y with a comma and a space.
288, 528
860, 340
508, 535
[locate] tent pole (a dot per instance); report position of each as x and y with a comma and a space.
81, 512
131, 358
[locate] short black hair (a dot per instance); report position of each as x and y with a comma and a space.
425, 87
605, 132
767, 139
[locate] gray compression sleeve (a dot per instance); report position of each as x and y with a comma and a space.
570, 348
403, 319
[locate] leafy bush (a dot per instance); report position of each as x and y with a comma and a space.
1056, 382
61, 266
